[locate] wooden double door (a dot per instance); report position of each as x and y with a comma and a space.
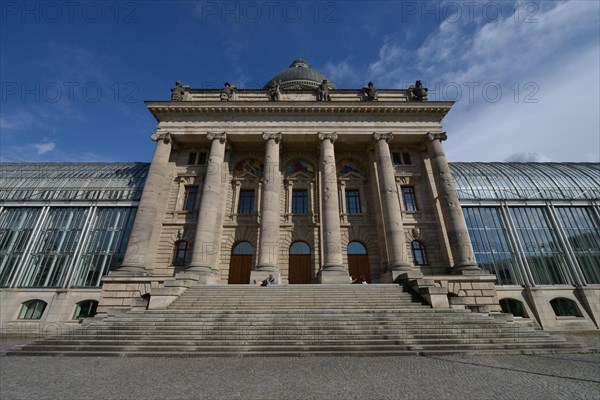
240, 263
300, 269
239, 269
358, 261
300, 266
358, 264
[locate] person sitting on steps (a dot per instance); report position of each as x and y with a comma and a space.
269, 281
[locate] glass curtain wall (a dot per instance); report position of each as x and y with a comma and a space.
491, 244
55, 247
583, 234
16, 228
106, 245
541, 247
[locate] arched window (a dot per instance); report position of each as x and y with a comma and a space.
180, 250
249, 166
299, 248
346, 166
564, 307
514, 307
299, 165
32, 309
242, 248
355, 248
85, 309
419, 253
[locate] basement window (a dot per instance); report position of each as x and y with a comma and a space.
85, 309
565, 308
32, 309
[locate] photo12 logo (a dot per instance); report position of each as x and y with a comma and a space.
71, 92
269, 11
469, 11
52, 12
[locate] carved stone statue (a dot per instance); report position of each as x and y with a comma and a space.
177, 92
418, 93
274, 91
369, 92
323, 91
227, 91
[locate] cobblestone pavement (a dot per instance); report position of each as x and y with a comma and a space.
553, 376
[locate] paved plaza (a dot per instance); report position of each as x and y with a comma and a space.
552, 376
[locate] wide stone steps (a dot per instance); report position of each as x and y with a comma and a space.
242, 320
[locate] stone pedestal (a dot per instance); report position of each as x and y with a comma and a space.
458, 235
394, 228
206, 245
134, 263
333, 270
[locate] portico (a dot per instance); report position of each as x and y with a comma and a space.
303, 181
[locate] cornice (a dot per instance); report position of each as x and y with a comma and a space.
298, 107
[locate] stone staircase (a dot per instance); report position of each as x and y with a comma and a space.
242, 320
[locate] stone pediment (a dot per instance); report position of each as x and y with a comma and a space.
296, 176
352, 176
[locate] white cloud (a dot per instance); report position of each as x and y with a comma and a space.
342, 71
18, 121
43, 148
528, 157
556, 57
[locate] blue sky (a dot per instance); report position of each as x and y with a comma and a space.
524, 74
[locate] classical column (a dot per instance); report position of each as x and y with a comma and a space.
394, 228
145, 217
333, 270
205, 242
268, 249
454, 220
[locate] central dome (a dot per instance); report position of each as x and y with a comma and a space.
299, 76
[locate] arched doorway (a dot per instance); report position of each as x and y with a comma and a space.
299, 266
358, 261
241, 263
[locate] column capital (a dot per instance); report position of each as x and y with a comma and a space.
331, 136
221, 136
166, 137
441, 136
383, 136
275, 136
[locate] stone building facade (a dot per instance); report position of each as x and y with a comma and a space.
303, 181
311, 184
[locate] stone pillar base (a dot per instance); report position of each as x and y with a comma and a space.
401, 276
469, 270
202, 276
334, 274
129, 271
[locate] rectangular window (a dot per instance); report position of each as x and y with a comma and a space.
191, 197
299, 201
408, 198
406, 158
353, 202
195, 158
401, 158
246, 204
